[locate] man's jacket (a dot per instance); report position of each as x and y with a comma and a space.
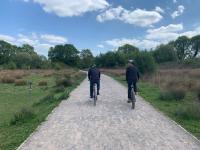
94, 74
132, 73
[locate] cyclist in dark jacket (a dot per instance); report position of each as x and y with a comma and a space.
132, 76
94, 77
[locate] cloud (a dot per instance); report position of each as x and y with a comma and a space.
53, 39
7, 38
100, 46
164, 33
68, 8
144, 44
178, 12
41, 42
160, 10
174, 1
138, 17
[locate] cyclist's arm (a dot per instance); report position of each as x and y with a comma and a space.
138, 74
89, 74
126, 74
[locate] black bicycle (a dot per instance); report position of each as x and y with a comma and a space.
133, 99
95, 93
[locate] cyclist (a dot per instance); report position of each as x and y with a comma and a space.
132, 76
94, 77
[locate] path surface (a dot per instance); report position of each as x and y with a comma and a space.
77, 125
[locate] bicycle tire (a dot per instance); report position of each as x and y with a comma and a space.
94, 94
133, 99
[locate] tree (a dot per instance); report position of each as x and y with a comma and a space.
145, 62
182, 45
7, 51
127, 48
23, 60
67, 54
195, 42
86, 58
164, 53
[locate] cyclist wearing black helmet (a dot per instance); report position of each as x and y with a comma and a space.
94, 77
132, 76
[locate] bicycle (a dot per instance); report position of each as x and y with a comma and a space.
95, 93
133, 99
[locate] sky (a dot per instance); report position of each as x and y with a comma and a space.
99, 25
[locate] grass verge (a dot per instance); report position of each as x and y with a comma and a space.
170, 108
21, 112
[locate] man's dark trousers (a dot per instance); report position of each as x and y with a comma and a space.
91, 87
130, 83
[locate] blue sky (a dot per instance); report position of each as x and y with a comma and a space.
99, 25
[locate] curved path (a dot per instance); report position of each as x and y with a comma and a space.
77, 125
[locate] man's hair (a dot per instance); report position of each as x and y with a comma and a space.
131, 61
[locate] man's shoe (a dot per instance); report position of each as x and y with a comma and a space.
91, 96
98, 93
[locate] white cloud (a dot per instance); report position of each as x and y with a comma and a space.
192, 33
53, 38
174, 1
68, 8
41, 43
7, 38
160, 10
100, 46
144, 44
137, 17
178, 12
164, 33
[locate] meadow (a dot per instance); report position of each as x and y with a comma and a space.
27, 97
175, 92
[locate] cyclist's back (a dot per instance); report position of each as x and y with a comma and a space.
94, 78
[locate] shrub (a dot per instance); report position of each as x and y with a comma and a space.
189, 110
21, 116
42, 83
59, 89
11, 65
20, 82
7, 79
145, 62
64, 82
173, 94
47, 99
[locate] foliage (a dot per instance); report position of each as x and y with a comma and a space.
164, 53
67, 54
145, 62
86, 58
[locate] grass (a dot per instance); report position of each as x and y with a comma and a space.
151, 93
22, 109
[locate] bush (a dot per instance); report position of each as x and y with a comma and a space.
66, 82
173, 94
7, 79
47, 99
22, 116
194, 62
11, 65
42, 83
189, 110
59, 89
145, 62
20, 82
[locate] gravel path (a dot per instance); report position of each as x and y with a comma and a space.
112, 125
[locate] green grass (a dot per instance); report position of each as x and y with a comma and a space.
152, 93
14, 98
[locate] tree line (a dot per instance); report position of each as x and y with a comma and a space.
181, 50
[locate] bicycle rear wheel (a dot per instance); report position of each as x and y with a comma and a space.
133, 99
94, 94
